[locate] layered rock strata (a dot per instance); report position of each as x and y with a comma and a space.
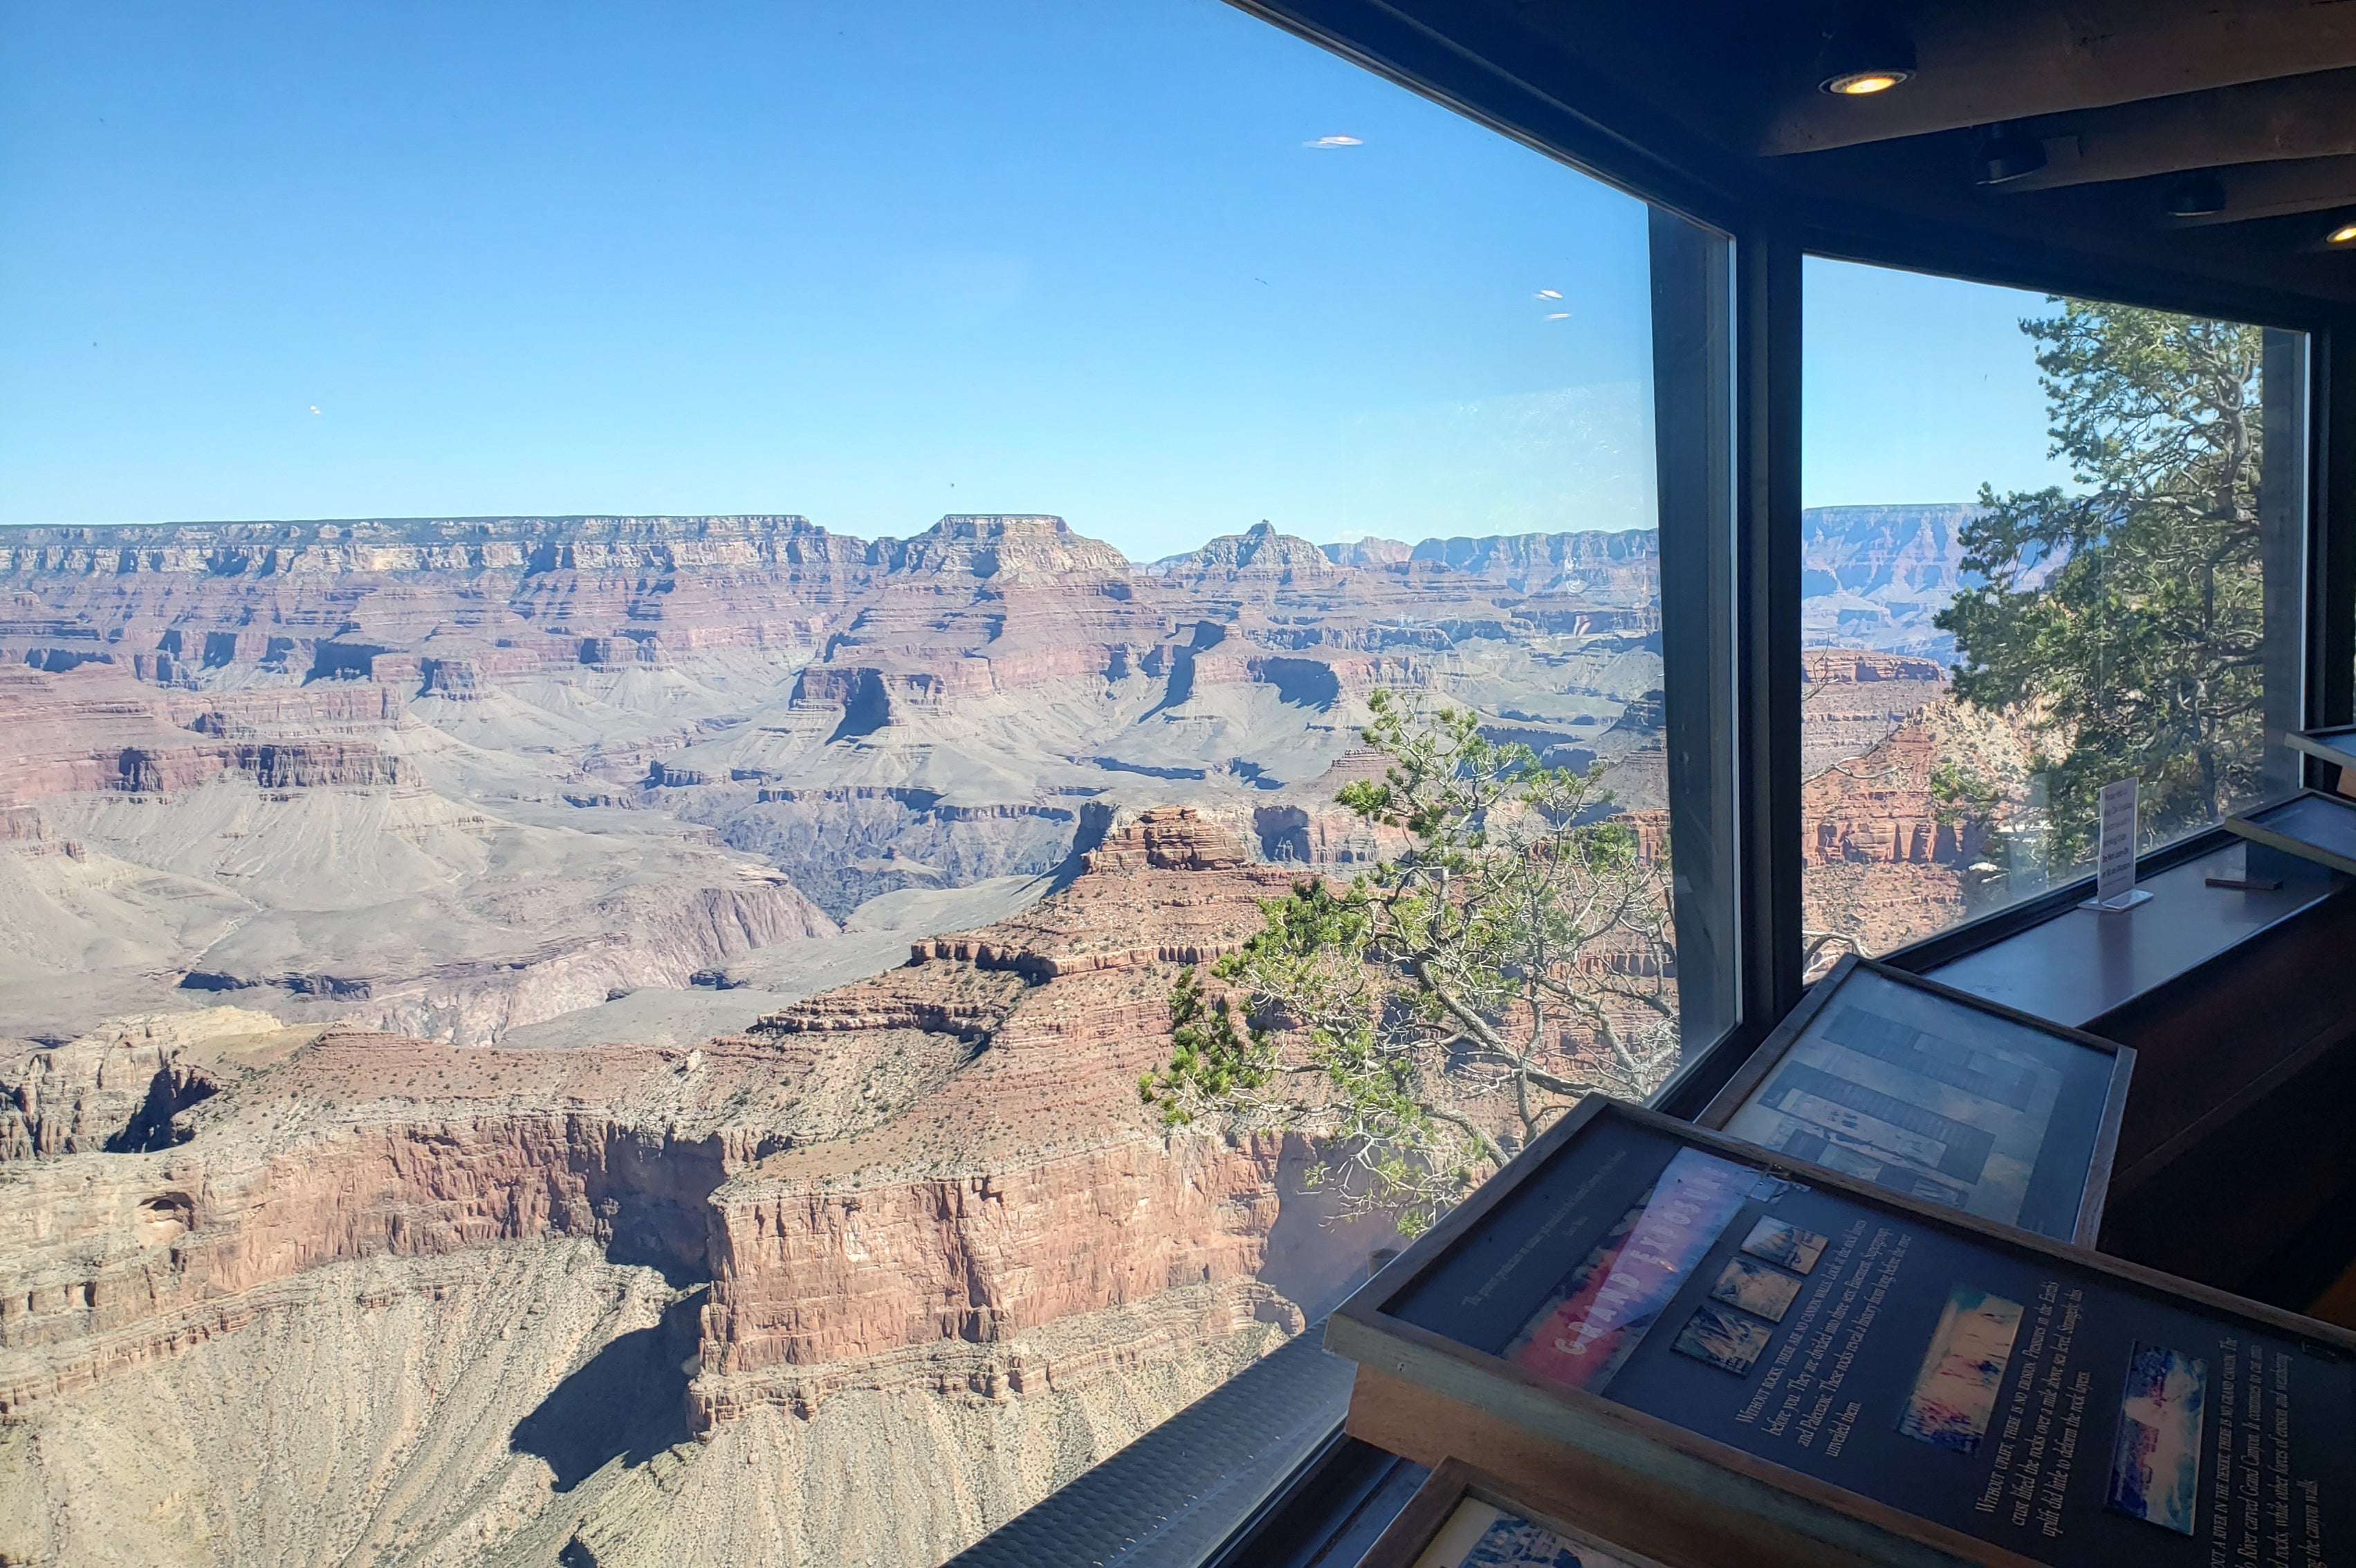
925, 1204
389, 723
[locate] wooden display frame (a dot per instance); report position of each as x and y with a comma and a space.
1771, 1052
2263, 827
1435, 1503
1668, 1490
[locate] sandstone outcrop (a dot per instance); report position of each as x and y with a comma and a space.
963, 1217
1369, 553
119, 1089
1259, 549
1622, 568
1890, 855
927, 1202
296, 846
1874, 576
100, 729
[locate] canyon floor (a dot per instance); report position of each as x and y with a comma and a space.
614, 1039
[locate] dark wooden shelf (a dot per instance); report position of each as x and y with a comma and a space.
2080, 964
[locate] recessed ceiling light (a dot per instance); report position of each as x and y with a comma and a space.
2343, 235
1861, 83
1864, 55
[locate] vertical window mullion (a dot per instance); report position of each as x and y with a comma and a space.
1768, 679
1730, 499
2331, 554
1693, 420
2283, 532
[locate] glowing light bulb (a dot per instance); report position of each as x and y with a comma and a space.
2343, 235
1864, 82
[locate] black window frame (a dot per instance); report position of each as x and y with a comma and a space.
1477, 62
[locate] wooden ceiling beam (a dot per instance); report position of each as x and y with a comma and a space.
2295, 117
2273, 190
1980, 61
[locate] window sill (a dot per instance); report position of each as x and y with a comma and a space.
2076, 964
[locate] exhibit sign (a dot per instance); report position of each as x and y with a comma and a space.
1939, 1094
1464, 1518
2115, 851
1882, 1374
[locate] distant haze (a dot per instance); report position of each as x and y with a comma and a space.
1871, 577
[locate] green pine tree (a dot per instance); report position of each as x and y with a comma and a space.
2122, 627
1414, 1021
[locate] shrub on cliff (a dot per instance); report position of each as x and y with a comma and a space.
1446, 1004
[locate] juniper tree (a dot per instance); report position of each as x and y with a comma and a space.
1402, 1018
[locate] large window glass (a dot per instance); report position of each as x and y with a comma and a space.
2048, 543
968, 696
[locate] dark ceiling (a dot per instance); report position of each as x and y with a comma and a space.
2130, 105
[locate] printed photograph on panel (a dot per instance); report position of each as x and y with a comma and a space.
1729, 1340
1781, 1242
1755, 1288
1922, 1095
2156, 1465
1478, 1535
1963, 1367
1593, 1320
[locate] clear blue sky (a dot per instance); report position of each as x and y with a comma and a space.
1918, 389
867, 262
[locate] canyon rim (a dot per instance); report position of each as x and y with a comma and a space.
563, 1038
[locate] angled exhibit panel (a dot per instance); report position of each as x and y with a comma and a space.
1697, 1344
1464, 1518
1939, 1094
2334, 747
2311, 825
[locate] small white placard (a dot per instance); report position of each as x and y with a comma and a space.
2115, 858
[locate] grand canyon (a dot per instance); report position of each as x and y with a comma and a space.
614, 1039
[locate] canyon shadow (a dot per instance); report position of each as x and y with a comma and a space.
629, 1401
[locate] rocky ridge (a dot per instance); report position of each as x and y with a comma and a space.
479, 778
932, 1191
514, 770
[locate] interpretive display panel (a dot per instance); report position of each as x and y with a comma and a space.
1940, 1095
2311, 825
1641, 1289
1462, 1517
2336, 746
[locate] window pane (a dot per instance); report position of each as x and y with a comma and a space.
2048, 543
865, 545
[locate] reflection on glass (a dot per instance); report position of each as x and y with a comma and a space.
1594, 1319
2094, 607
834, 600
1923, 1095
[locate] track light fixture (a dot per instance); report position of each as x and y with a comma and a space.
2005, 152
2195, 194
